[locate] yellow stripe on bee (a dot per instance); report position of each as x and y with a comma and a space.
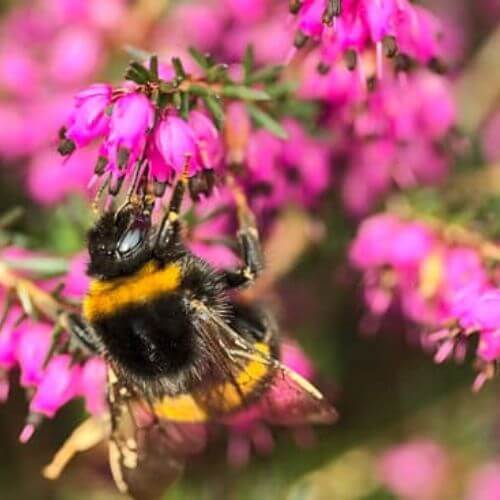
105, 297
185, 408
181, 408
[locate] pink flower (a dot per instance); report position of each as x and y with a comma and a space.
485, 312
89, 119
207, 138
19, 72
75, 55
373, 245
76, 280
410, 245
489, 345
415, 470
193, 23
14, 142
32, 349
463, 268
50, 180
9, 338
293, 357
131, 119
176, 143
485, 483
247, 11
206, 236
59, 384
92, 384
292, 171
363, 25
397, 128
417, 32
309, 21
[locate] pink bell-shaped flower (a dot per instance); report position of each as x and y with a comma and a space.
58, 385
89, 119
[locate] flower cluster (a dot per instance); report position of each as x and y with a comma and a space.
278, 171
415, 469
381, 150
50, 375
48, 50
135, 133
362, 30
143, 134
423, 469
54, 370
225, 28
396, 136
442, 282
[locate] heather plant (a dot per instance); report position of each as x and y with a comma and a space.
362, 135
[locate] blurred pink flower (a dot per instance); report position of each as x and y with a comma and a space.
444, 288
92, 385
485, 483
9, 338
410, 245
485, 312
51, 179
292, 171
19, 72
489, 345
388, 26
200, 24
76, 281
392, 139
247, 11
415, 470
207, 138
372, 246
59, 384
217, 223
75, 55
32, 349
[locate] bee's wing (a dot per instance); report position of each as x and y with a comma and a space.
145, 458
253, 376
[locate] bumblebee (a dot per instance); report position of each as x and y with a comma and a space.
178, 341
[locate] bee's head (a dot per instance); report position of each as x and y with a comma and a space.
119, 242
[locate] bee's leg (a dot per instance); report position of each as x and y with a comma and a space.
83, 333
169, 231
249, 245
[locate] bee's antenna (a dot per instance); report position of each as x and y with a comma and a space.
100, 191
135, 183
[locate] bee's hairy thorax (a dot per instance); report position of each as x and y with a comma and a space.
144, 322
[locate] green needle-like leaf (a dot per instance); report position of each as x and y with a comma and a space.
216, 110
266, 121
244, 93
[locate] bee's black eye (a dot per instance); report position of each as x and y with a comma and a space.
130, 240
